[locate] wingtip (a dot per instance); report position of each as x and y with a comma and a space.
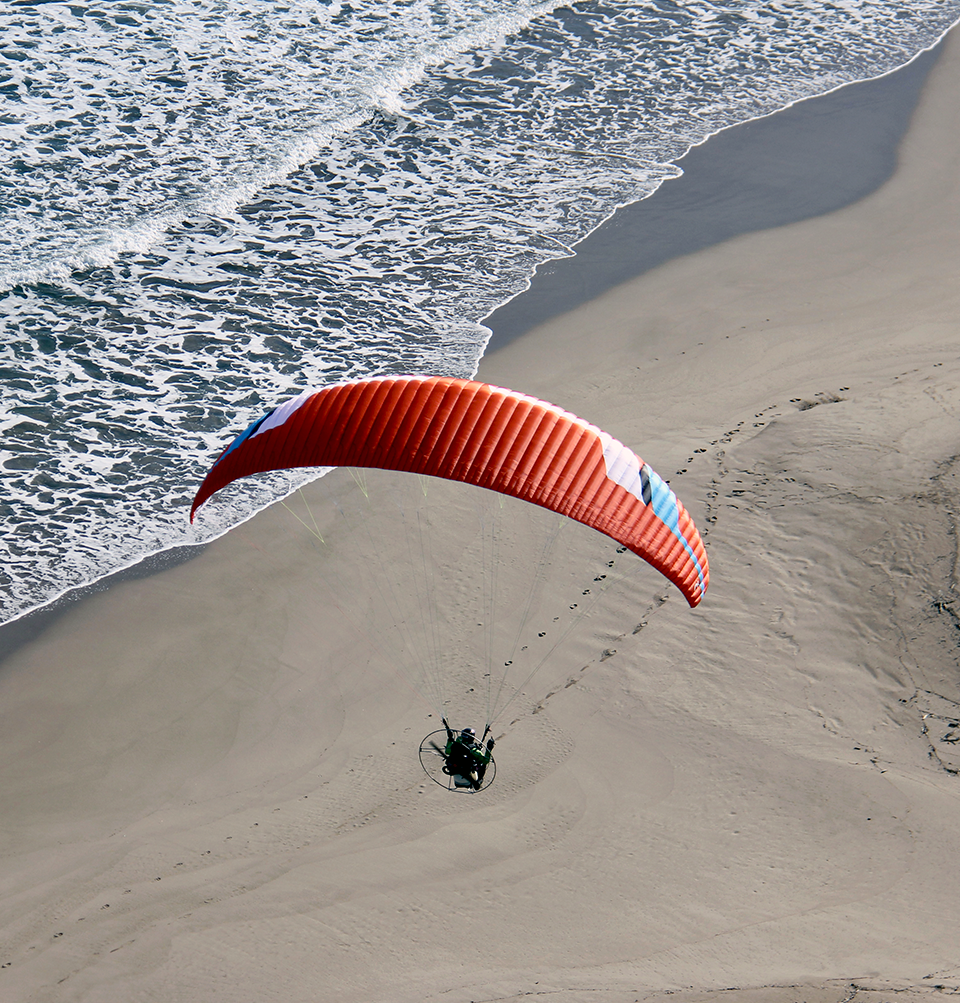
194, 508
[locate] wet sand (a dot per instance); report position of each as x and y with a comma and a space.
210, 785
813, 158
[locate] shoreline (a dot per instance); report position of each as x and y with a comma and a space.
28, 626
809, 159
211, 786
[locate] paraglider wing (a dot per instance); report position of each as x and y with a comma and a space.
484, 435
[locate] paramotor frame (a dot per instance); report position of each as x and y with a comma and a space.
434, 761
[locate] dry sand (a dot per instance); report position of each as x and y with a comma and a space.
209, 786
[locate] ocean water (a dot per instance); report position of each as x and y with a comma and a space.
208, 207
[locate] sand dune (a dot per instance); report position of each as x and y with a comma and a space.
210, 783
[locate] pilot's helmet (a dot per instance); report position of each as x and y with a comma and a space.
468, 735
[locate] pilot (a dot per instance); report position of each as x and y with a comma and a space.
466, 757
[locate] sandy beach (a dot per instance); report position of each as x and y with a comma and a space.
210, 786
